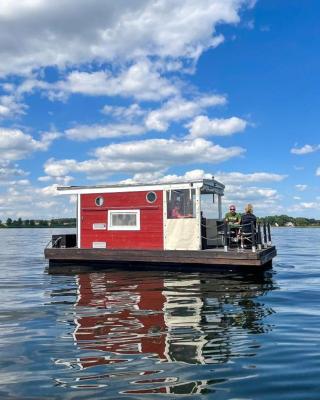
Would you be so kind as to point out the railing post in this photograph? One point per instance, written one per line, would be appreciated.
(269, 234)
(225, 233)
(264, 235)
(253, 237)
(241, 239)
(259, 237)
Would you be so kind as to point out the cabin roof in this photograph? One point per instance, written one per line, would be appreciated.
(207, 186)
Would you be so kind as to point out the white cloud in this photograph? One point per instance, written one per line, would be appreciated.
(301, 188)
(16, 145)
(88, 132)
(241, 178)
(144, 177)
(233, 179)
(64, 180)
(128, 113)
(250, 194)
(94, 168)
(145, 155)
(306, 149)
(46, 203)
(11, 106)
(4, 110)
(178, 109)
(40, 33)
(48, 191)
(310, 205)
(44, 178)
(141, 81)
(169, 150)
(175, 109)
(9, 171)
(29, 85)
(266, 201)
(318, 171)
(203, 126)
(11, 102)
(159, 177)
(227, 178)
(303, 206)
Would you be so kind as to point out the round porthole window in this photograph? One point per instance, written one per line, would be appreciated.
(99, 201)
(151, 197)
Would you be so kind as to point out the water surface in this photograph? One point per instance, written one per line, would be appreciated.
(145, 335)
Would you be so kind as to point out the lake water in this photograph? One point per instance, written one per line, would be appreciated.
(146, 335)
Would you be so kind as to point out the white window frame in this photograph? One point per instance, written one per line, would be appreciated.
(124, 227)
(97, 226)
(99, 245)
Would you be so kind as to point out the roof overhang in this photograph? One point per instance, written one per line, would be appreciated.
(212, 186)
(206, 186)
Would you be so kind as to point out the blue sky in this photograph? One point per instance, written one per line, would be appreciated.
(139, 91)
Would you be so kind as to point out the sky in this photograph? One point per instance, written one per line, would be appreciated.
(102, 91)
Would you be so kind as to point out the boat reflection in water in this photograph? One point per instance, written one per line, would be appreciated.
(150, 332)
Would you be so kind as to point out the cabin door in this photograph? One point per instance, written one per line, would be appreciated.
(181, 218)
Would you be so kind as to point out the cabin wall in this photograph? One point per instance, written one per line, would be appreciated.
(150, 234)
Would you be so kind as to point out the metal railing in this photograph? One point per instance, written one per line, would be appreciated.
(231, 233)
(53, 244)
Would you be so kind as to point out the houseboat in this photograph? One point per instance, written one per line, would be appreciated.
(162, 224)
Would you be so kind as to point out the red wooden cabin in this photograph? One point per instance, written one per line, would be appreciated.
(164, 216)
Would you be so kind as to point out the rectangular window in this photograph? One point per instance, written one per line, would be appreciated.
(98, 226)
(99, 245)
(209, 208)
(124, 220)
(181, 203)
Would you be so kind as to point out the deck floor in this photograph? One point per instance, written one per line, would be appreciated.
(216, 256)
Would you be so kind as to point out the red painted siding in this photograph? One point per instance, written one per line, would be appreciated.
(150, 235)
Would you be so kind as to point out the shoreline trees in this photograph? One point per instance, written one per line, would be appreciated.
(285, 220)
(274, 220)
(39, 223)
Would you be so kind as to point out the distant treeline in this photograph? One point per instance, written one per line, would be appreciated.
(285, 220)
(39, 223)
(274, 220)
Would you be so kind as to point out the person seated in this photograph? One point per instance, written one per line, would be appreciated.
(232, 218)
(246, 228)
(175, 213)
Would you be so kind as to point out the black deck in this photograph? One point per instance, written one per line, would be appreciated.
(65, 258)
